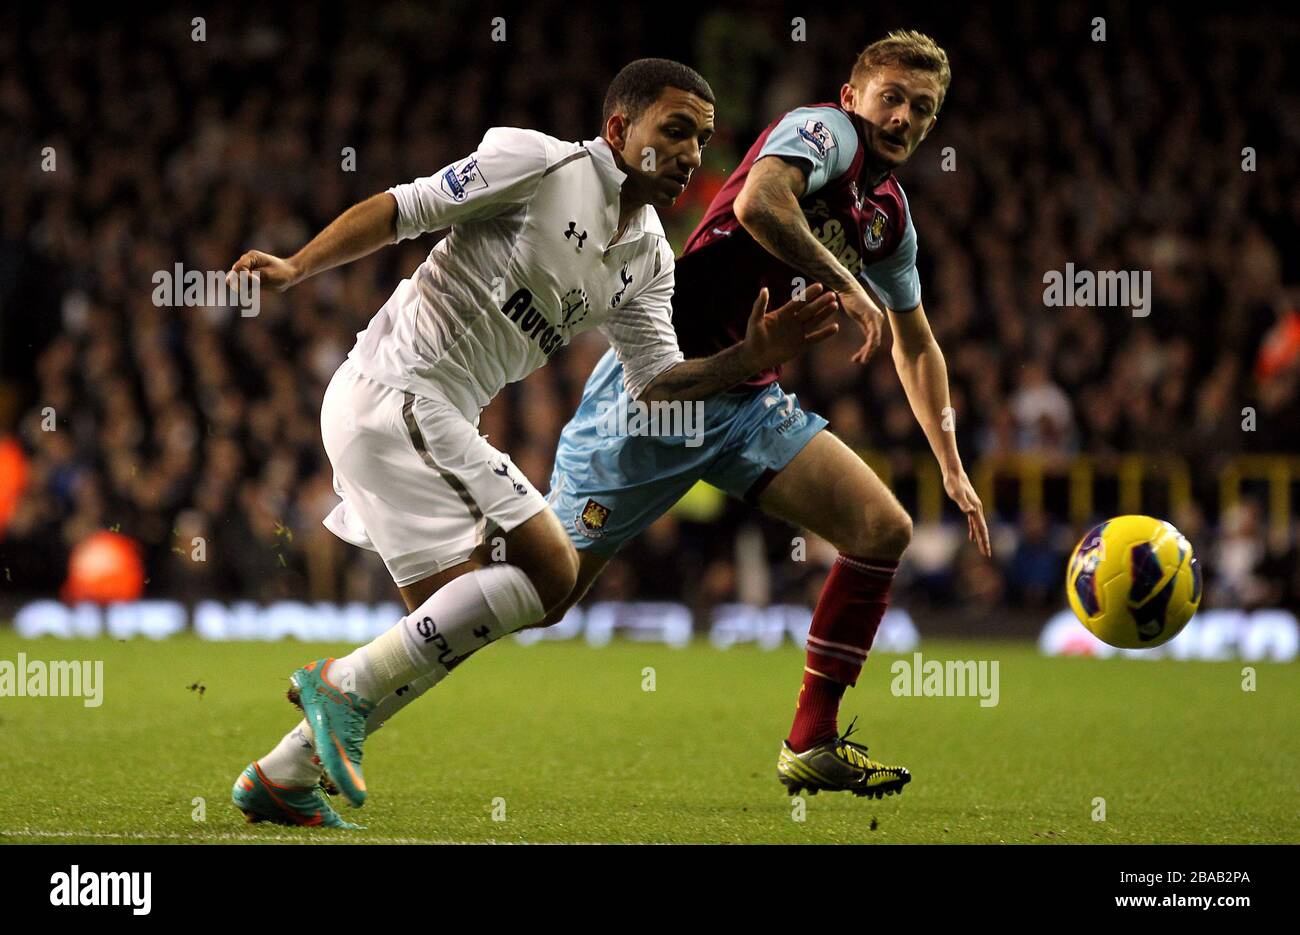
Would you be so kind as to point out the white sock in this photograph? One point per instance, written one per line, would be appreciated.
(463, 616)
(357, 671)
(407, 660)
(395, 701)
(290, 763)
(515, 604)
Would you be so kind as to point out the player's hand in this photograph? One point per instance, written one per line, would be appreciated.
(858, 306)
(772, 338)
(958, 487)
(273, 273)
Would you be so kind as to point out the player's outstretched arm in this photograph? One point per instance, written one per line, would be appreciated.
(771, 338)
(924, 375)
(768, 208)
(357, 232)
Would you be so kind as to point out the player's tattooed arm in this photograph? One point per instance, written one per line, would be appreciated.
(357, 232)
(768, 208)
(700, 377)
(771, 338)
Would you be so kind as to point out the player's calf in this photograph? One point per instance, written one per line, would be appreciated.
(590, 566)
(540, 549)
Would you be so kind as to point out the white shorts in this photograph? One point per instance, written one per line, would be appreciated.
(420, 485)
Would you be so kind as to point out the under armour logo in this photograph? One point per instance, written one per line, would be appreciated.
(627, 281)
(573, 232)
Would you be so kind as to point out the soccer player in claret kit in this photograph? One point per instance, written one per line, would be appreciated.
(814, 199)
(547, 239)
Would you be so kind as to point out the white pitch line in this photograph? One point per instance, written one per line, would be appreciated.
(342, 837)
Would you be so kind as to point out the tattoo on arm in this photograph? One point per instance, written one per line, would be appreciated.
(773, 217)
(701, 376)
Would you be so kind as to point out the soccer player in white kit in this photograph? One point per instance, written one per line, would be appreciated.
(547, 239)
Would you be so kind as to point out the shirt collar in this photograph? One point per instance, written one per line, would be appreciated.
(612, 178)
(610, 174)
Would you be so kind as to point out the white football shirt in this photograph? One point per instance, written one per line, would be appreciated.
(527, 265)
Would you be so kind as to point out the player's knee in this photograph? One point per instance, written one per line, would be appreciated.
(894, 534)
(557, 613)
(882, 534)
(556, 579)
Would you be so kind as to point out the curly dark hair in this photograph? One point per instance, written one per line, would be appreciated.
(639, 84)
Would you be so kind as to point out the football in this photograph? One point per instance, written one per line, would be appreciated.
(1134, 581)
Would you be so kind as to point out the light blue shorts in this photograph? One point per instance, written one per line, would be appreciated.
(612, 478)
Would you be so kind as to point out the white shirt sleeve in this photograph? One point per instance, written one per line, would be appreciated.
(505, 170)
(641, 331)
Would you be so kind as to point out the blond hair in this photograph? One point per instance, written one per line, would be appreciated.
(908, 48)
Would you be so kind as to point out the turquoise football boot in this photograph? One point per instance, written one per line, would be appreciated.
(262, 800)
(338, 725)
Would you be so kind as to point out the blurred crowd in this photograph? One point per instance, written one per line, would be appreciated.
(131, 145)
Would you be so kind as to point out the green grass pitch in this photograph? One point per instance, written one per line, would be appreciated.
(565, 739)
